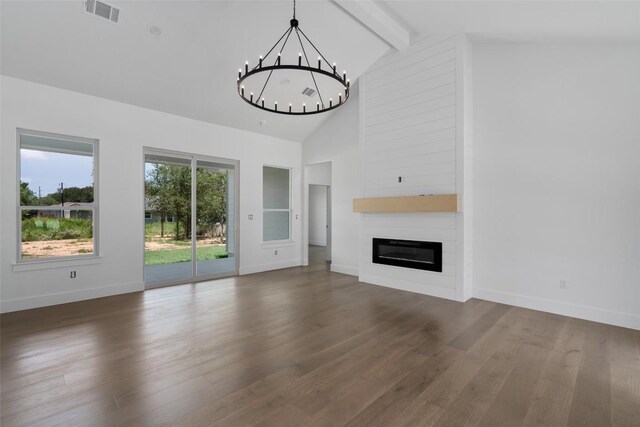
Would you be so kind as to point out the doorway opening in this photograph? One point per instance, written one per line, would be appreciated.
(319, 224)
(317, 236)
(190, 218)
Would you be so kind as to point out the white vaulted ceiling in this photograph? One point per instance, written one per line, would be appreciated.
(521, 20)
(191, 68)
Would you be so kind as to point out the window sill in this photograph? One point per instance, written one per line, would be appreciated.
(55, 263)
(278, 244)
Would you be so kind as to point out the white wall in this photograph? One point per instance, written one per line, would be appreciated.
(123, 131)
(557, 178)
(317, 215)
(336, 141)
(319, 173)
(413, 128)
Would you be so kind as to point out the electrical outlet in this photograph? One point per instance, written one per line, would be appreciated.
(72, 274)
(250, 217)
(563, 284)
(399, 180)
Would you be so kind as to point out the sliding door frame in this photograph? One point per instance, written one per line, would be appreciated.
(194, 158)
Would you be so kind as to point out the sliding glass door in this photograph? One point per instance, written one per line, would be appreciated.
(190, 217)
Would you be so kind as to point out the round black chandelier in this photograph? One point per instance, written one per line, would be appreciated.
(319, 86)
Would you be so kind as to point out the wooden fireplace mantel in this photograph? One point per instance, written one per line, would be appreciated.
(422, 203)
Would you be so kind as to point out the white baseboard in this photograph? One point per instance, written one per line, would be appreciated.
(405, 285)
(317, 243)
(250, 269)
(18, 304)
(626, 320)
(344, 269)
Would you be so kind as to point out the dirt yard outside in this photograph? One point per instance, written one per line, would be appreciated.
(72, 247)
(57, 248)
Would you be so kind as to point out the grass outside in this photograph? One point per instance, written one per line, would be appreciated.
(152, 230)
(168, 250)
(44, 229)
(171, 256)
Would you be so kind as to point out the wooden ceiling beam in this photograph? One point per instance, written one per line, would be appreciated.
(378, 21)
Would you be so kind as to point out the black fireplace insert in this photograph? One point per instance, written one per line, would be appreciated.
(408, 253)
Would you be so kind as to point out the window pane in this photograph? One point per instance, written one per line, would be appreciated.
(275, 184)
(60, 233)
(275, 226)
(55, 172)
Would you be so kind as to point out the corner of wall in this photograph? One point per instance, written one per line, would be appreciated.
(464, 167)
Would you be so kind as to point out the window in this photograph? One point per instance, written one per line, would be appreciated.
(58, 209)
(276, 195)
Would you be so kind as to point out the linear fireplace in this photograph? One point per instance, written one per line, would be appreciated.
(408, 253)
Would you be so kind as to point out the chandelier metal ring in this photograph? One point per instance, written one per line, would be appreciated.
(318, 108)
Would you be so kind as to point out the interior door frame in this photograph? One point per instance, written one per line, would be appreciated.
(194, 158)
(329, 225)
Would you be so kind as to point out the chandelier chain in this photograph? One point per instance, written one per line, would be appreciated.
(294, 9)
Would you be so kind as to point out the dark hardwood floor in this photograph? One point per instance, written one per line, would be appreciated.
(306, 347)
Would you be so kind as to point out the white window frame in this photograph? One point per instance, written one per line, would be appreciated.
(290, 210)
(93, 207)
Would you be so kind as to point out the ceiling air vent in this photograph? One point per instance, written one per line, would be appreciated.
(102, 10)
(309, 92)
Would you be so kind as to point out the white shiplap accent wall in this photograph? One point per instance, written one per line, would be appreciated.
(412, 127)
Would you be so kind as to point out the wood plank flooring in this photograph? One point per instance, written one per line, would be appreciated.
(307, 347)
